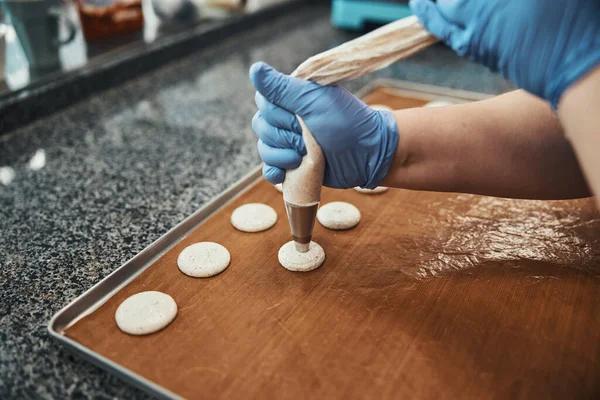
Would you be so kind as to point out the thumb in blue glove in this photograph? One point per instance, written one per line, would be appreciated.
(542, 46)
(358, 142)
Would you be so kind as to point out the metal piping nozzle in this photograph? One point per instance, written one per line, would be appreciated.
(302, 223)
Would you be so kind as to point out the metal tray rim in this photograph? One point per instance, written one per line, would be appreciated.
(120, 372)
(420, 89)
(173, 236)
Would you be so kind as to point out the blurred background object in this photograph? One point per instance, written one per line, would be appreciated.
(15, 65)
(104, 19)
(174, 9)
(216, 9)
(357, 14)
(38, 25)
(46, 38)
(256, 5)
(188, 10)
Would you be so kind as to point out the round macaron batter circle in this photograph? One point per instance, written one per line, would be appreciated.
(292, 260)
(338, 215)
(203, 259)
(145, 313)
(377, 190)
(253, 217)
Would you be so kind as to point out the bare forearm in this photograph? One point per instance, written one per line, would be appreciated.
(508, 146)
(579, 111)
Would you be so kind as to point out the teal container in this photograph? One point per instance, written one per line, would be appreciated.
(355, 14)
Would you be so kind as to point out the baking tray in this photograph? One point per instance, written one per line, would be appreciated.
(98, 294)
(469, 241)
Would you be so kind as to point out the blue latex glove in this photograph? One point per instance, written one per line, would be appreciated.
(543, 46)
(358, 142)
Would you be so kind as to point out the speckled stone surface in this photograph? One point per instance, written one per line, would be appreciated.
(123, 167)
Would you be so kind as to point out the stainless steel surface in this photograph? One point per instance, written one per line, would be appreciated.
(106, 288)
(302, 223)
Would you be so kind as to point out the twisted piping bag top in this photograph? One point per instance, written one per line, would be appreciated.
(368, 53)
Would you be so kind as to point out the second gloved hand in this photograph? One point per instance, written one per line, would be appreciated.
(358, 142)
(542, 46)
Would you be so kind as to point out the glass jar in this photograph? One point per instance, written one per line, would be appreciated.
(103, 19)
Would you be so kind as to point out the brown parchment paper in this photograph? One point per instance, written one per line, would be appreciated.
(431, 296)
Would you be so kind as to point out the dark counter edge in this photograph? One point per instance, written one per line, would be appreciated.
(57, 91)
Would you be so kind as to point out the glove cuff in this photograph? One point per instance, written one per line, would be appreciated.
(387, 148)
(572, 74)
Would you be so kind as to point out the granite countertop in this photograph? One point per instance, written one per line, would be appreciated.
(97, 182)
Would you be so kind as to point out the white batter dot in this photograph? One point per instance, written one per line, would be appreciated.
(377, 190)
(338, 215)
(145, 313)
(253, 217)
(204, 259)
(279, 187)
(293, 260)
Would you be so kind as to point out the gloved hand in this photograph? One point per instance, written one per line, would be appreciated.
(358, 142)
(543, 46)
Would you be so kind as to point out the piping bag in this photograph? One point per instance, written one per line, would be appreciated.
(371, 52)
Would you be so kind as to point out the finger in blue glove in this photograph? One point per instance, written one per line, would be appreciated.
(273, 174)
(358, 142)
